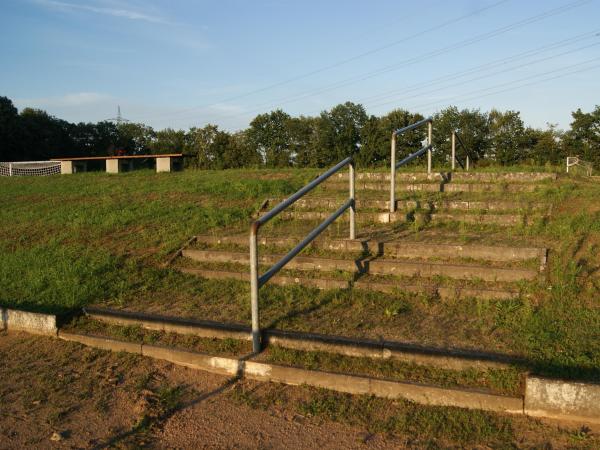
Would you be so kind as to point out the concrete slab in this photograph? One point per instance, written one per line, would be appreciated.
(15, 320)
(164, 165)
(561, 399)
(112, 166)
(66, 167)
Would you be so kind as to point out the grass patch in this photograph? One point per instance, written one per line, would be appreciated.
(135, 333)
(500, 381)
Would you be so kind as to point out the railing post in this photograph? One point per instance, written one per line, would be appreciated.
(254, 288)
(393, 175)
(429, 136)
(10, 169)
(352, 177)
(453, 157)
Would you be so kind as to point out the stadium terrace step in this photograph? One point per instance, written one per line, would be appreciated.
(399, 217)
(486, 177)
(367, 284)
(374, 265)
(436, 187)
(462, 205)
(400, 176)
(513, 177)
(397, 249)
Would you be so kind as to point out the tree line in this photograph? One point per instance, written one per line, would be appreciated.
(276, 139)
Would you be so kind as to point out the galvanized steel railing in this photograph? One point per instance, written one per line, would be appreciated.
(455, 137)
(394, 165)
(256, 281)
(573, 161)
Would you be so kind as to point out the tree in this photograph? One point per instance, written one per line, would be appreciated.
(270, 135)
(44, 136)
(546, 145)
(304, 143)
(9, 131)
(376, 135)
(339, 132)
(583, 139)
(135, 138)
(507, 137)
(472, 127)
(94, 139)
(168, 141)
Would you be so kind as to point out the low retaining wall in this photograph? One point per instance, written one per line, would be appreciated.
(15, 320)
(567, 400)
(352, 384)
(311, 342)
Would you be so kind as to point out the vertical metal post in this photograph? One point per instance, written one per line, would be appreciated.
(467, 163)
(254, 289)
(567, 165)
(10, 169)
(393, 175)
(429, 135)
(453, 157)
(352, 176)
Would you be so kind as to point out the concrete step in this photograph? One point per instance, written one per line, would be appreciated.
(462, 205)
(388, 286)
(518, 177)
(435, 187)
(486, 177)
(374, 266)
(400, 176)
(396, 249)
(401, 217)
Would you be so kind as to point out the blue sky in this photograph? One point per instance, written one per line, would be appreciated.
(187, 63)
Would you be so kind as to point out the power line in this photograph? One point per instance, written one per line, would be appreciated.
(414, 60)
(424, 105)
(487, 66)
(343, 61)
(510, 69)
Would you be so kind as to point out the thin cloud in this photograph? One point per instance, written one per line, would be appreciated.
(108, 11)
(76, 99)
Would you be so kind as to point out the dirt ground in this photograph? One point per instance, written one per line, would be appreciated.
(87, 398)
(57, 394)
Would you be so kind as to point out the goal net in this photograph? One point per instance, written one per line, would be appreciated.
(29, 168)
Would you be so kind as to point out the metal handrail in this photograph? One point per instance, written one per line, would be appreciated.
(576, 161)
(428, 148)
(256, 281)
(453, 158)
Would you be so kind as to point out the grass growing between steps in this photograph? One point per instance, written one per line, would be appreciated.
(498, 381)
(135, 333)
(417, 426)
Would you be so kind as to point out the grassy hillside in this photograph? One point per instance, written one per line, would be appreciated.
(94, 238)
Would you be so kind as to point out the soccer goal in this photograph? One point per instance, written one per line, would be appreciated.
(29, 168)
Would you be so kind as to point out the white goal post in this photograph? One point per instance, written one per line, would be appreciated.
(29, 168)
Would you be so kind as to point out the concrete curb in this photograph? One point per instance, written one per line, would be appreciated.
(352, 384)
(449, 359)
(36, 323)
(560, 399)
